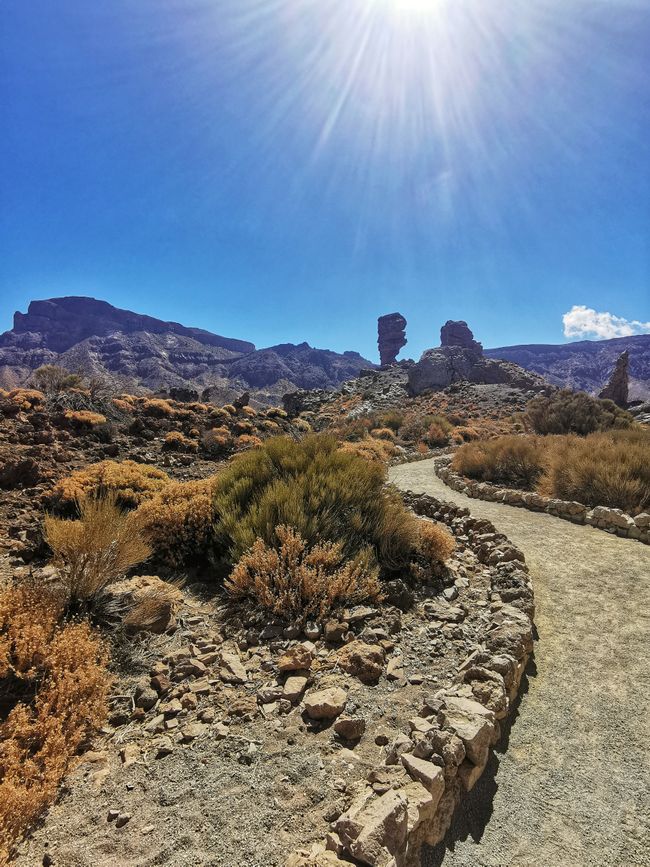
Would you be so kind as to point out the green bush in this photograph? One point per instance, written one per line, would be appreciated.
(323, 493)
(566, 412)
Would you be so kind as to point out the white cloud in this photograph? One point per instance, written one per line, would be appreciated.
(583, 321)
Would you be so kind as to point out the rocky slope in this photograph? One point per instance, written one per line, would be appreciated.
(143, 353)
(585, 365)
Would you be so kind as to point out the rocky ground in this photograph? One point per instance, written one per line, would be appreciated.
(228, 745)
(569, 783)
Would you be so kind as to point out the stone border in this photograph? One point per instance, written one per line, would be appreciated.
(613, 521)
(410, 800)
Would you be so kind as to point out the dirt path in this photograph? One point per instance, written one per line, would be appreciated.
(570, 783)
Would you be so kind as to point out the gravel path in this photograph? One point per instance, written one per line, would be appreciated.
(570, 782)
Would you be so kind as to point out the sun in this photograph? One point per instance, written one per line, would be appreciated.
(410, 6)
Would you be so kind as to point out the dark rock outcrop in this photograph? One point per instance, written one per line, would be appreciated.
(391, 337)
(457, 333)
(618, 384)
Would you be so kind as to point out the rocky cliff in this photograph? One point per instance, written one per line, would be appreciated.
(586, 365)
(140, 352)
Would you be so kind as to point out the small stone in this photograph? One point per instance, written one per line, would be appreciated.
(165, 747)
(129, 754)
(112, 815)
(192, 731)
(145, 697)
(365, 661)
(232, 670)
(122, 820)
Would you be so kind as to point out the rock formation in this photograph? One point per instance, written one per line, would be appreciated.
(391, 337)
(457, 333)
(460, 359)
(618, 384)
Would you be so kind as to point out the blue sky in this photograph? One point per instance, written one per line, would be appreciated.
(287, 170)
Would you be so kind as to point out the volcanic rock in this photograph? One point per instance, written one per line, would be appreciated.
(391, 336)
(457, 333)
(618, 384)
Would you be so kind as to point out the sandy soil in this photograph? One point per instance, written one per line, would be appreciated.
(570, 782)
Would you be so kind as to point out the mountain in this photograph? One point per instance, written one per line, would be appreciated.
(140, 352)
(585, 365)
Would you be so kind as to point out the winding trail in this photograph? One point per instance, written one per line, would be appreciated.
(570, 782)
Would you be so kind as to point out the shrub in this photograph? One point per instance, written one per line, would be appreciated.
(268, 425)
(130, 482)
(249, 411)
(324, 493)
(568, 411)
(300, 424)
(54, 681)
(464, 434)
(177, 522)
(603, 469)
(383, 433)
(50, 378)
(243, 427)
(433, 430)
(295, 581)
(219, 414)
(370, 449)
(217, 441)
(158, 408)
(246, 441)
(230, 409)
(435, 542)
(123, 406)
(276, 412)
(95, 550)
(178, 442)
(84, 418)
(26, 397)
(516, 461)
(392, 419)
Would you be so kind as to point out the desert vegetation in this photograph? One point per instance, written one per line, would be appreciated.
(54, 686)
(574, 412)
(610, 468)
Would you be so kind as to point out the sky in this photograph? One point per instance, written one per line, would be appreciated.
(288, 170)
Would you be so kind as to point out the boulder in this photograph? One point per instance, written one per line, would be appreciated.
(458, 333)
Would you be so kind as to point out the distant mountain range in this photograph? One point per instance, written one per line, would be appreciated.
(140, 353)
(585, 365)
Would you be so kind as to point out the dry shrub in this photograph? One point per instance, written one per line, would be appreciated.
(300, 424)
(178, 521)
(158, 408)
(131, 483)
(566, 412)
(370, 449)
(603, 469)
(60, 671)
(84, 418)
(297, 582)
(217, 441)
(177, 442)
(246, 441)
(230, 409)
(464, 435)
(122, 406)
(145, 603)
(268, 425)
(276, 412)
(382, 433)
(26, 397)
(433, 430)
(250, 411)
(243, 427)
(435, 542)
(516, 461)
(219, 414)
(95, 550)
(422, 449)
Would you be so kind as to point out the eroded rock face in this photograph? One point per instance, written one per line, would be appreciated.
(458, 333)
(617, 387)
(391, 338)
